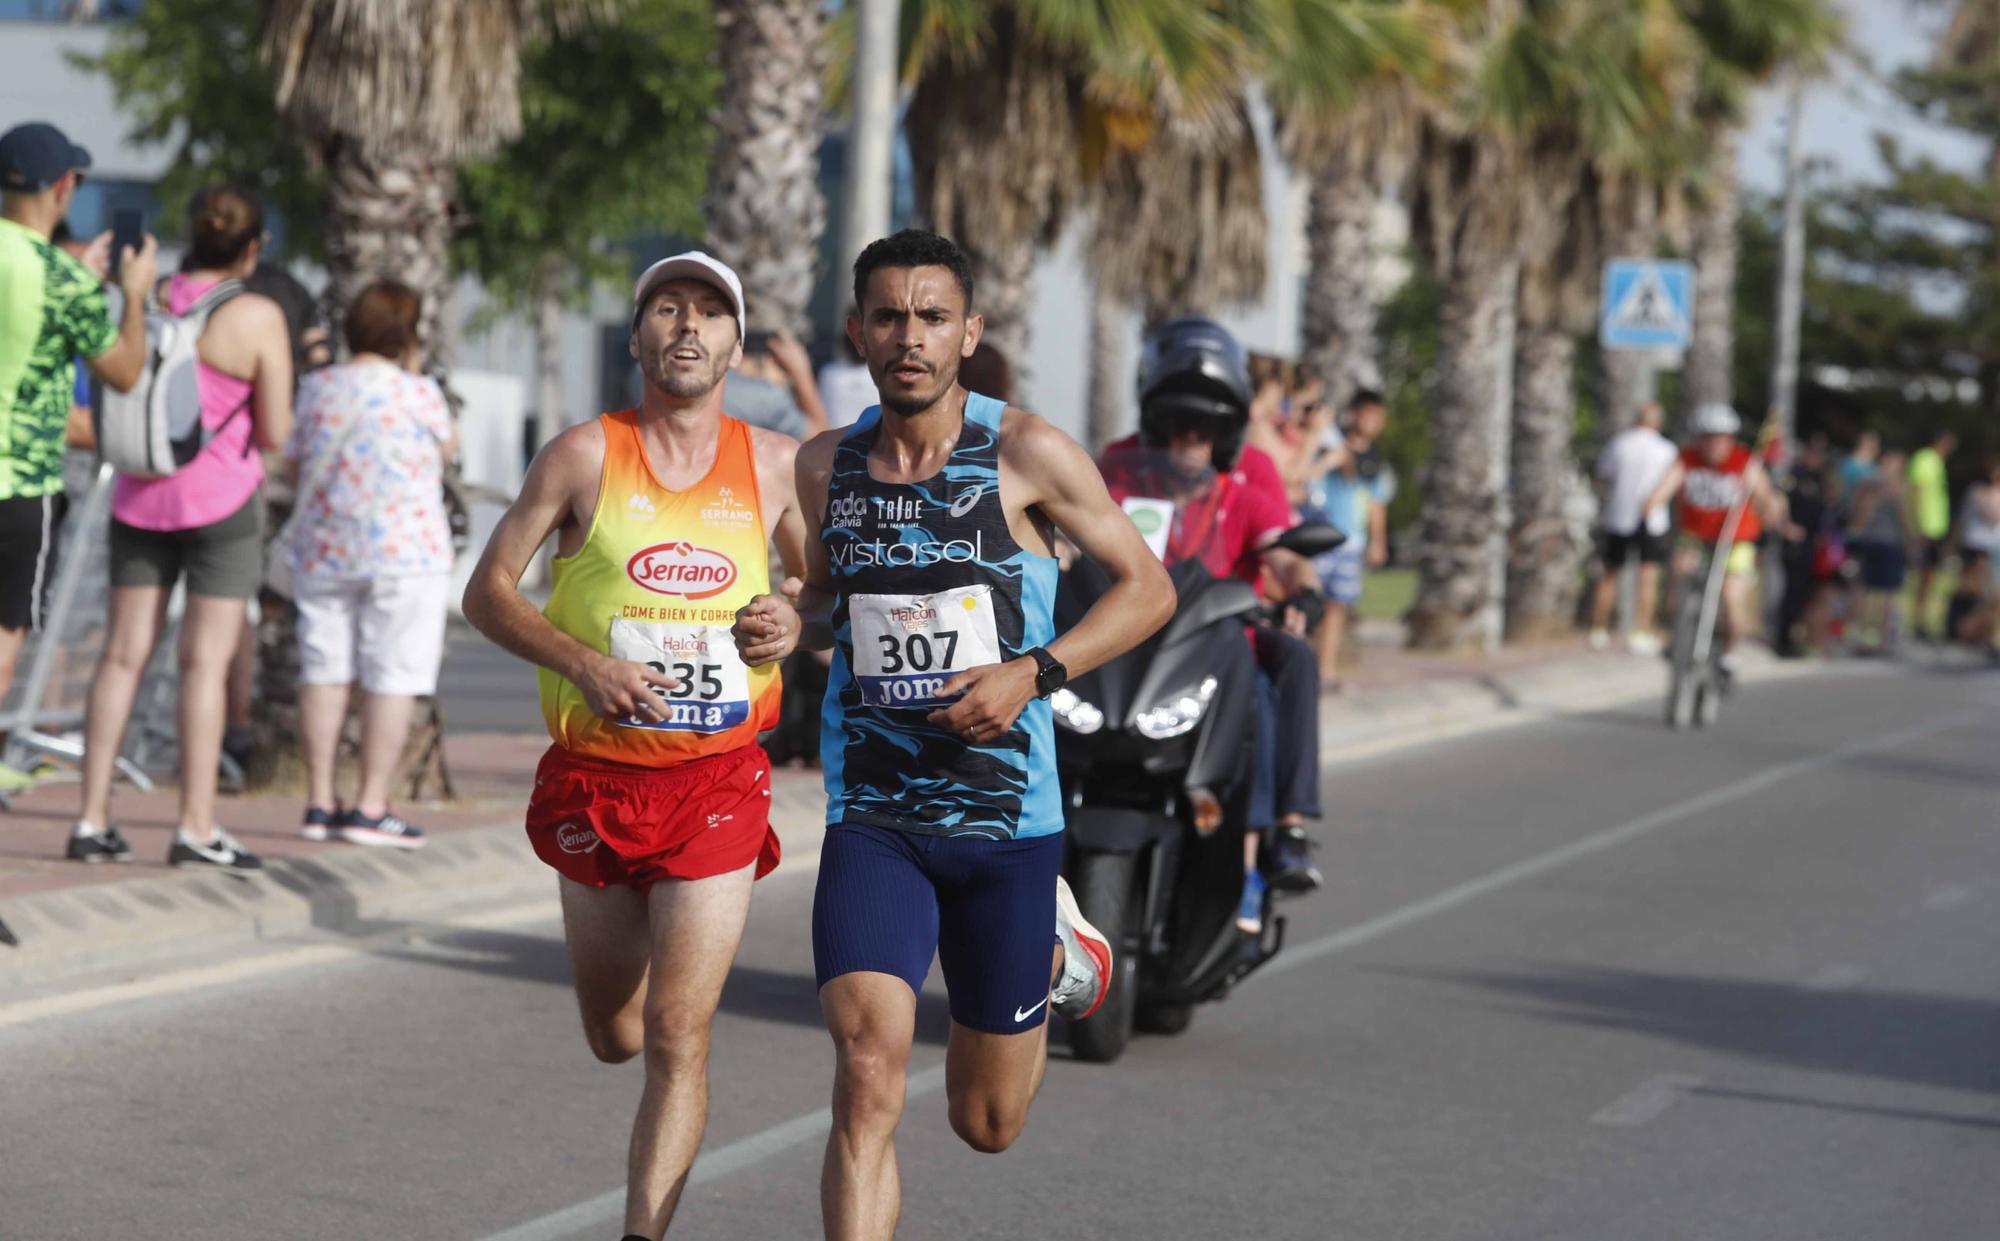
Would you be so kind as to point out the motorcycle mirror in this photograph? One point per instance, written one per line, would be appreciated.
(1311, 539)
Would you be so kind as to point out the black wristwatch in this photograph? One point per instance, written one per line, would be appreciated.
(1050, 674)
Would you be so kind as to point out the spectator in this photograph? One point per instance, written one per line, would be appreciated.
(1856, 468)
(1630, 467)
(1930, 510)
(1806, 569)
(52, 311)
(1880, 534)
(1975, 605)
(987, 372)
(371, 559)
(303, 320)
(846, 387)
(1352, 494)
(773, 387)
(205, 522)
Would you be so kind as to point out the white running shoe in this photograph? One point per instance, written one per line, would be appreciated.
(1599, 639)
(1086, 972)
(1644, 642)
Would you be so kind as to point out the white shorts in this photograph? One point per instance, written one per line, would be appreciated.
(390, 629)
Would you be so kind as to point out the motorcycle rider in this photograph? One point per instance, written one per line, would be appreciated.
(1194, 408)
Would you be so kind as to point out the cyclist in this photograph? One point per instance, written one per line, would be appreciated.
(1715, 473)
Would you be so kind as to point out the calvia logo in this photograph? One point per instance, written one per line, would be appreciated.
(682, 569)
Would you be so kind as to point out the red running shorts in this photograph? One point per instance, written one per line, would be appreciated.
(603, 823)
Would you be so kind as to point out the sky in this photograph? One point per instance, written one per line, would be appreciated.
(1845, 111)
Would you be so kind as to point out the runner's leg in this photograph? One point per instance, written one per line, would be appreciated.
(696, 926)
(873, 1020)
(991, 1079)
(609, 945)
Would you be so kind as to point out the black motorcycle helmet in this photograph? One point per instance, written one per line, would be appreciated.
(1193, 369)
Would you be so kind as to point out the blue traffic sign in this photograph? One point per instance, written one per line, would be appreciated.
(1648, 304)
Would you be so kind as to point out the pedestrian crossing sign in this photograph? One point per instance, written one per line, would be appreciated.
(1648, 304)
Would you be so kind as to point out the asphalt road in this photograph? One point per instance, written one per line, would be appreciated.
(1574, 980)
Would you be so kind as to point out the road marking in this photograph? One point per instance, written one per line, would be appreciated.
(257, 967)
(1950, 896)
(1644, 1102)
(724, 1161)
(1836, 978)
(1611, 837)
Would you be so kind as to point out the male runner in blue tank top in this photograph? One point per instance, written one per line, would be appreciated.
(930, 572)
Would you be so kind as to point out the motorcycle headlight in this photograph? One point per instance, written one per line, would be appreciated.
(1177, 714)
(1074, 713)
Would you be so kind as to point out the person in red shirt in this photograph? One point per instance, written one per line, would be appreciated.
(1178, 481)
(1714, 473)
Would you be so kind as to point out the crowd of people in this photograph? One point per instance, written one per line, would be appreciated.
(1844, 533)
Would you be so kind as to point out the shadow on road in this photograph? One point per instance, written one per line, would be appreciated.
(1929, 1040)
(752, 993)
(1924, 1115)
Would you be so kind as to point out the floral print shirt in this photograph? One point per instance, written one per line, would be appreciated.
(377, 511)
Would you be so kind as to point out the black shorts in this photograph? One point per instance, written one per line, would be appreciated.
(1616, 549)
(1933, 554)
(30, 529)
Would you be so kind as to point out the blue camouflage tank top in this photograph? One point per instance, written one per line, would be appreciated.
(930, 582)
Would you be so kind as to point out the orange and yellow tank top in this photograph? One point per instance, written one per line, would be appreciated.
(658, 580)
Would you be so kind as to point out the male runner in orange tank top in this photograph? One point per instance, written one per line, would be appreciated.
(653, 803)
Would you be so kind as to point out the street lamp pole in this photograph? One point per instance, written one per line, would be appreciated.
(872, 137)
(1791, 271)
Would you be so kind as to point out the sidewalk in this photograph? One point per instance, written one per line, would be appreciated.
(59, 918)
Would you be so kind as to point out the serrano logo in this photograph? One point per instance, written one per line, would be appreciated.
(682, 569)
(574, 839)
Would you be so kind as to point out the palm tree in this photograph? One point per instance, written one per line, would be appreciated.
(385, 93)
(1744, 44)
(765, 209)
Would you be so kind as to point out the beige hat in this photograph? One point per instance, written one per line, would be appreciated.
(694, 265)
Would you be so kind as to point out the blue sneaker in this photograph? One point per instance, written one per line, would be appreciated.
(1250, 910)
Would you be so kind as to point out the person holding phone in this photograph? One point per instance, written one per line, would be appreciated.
(52, 311)
(774, 388)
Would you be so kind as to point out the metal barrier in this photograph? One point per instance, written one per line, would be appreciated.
(42, 716)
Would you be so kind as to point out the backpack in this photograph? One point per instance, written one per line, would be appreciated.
(156, 428)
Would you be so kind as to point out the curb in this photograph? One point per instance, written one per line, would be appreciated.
(46, 937)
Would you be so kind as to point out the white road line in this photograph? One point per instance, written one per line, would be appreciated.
(1950, 896)
(1596, 842)
(1645, 1102)
(713, 1165)
(1838, 977)
(224, 972)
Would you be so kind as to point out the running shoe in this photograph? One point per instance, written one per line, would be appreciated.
(1600, 639)
(221, 852)
(1290, 863)
(1086, 971)
(1644, 642)
(318, 823)
(1250, 910)
(88, 844)
(384, 830)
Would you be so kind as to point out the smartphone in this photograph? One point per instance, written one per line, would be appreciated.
(755, 343)
(128, 228)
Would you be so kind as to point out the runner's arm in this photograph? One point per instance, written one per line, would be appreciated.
(767, 628)
(493, 604)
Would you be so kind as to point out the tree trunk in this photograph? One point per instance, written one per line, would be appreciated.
(1542, 564)
(1110, 374)
(1627, 378)
(1003, 281)
(1707, 376)
(765, 209)
(390, 219)
(1464, 484)
(549, 283)
(1340, 339)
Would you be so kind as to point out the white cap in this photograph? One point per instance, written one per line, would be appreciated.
(1716, 418)
(694, 265)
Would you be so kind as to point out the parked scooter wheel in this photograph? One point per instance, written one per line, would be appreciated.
(1103, 883)
(1164, 1018)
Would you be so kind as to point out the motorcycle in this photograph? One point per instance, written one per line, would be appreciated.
(1154, 750)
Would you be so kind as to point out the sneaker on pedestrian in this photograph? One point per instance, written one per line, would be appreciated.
(91, 844)
(1289, 863)
(1644, 642)
(318, 823)
(14, 780)
(220, 852)
(1600, 639)
(1250, 909)
(385, 830)
(1086, 970)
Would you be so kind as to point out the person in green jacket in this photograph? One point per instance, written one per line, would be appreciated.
(1930, 507)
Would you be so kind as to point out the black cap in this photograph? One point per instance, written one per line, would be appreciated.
(36, 155)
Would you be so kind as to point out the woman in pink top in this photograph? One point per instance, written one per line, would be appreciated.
(205, 521)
